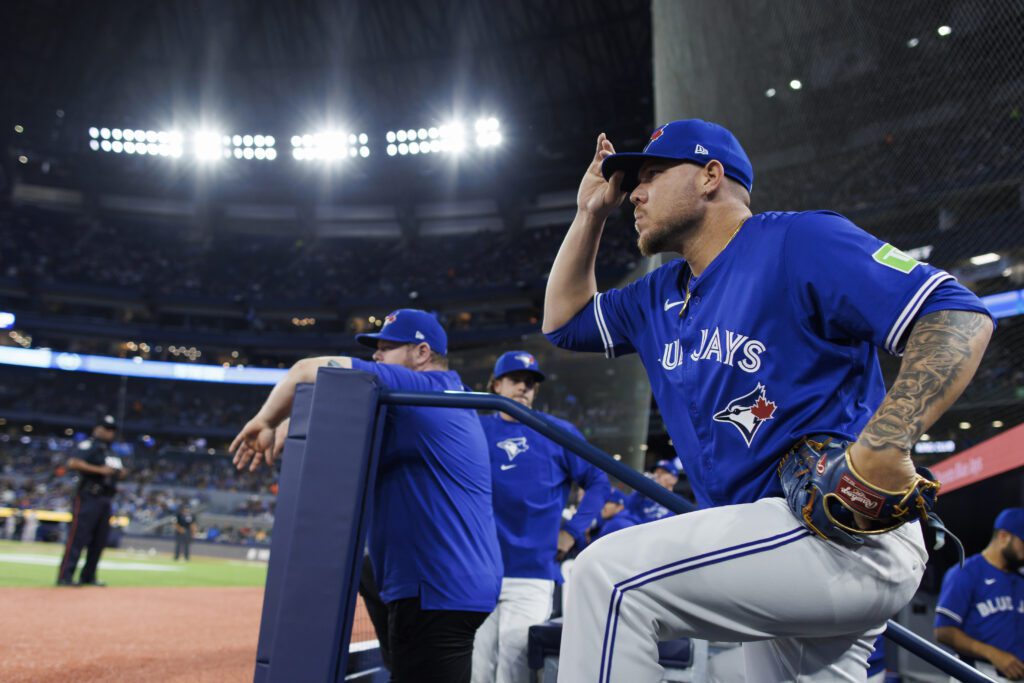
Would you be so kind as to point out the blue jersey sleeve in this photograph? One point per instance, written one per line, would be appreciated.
(609, 323)
(399, 377)
(954, 599)
(851, 285)
(595, 484)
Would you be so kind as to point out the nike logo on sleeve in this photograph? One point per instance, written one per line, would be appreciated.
(989, 582)
(507, 467)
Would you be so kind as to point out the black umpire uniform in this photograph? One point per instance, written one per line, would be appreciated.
(97, 485)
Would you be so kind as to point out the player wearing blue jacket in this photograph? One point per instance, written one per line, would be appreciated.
(532, 477)
(765, 332)
(432, 541)
(980, 612)
(614, 516)
(666, 474)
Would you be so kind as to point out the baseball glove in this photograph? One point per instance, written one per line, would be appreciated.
(824, 491)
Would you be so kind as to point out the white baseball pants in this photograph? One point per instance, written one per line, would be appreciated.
(499, 648)
(806, 609)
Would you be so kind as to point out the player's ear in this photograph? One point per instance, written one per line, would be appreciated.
(712, 176)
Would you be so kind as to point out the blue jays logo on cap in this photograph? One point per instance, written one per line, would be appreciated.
(409, 326)
(687, 140)
(516, 361)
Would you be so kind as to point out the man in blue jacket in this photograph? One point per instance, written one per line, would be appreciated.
(666, 474)
(432, 542)
(532, 478)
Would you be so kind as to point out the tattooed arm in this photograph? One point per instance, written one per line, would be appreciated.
(942, 354)
(255, 443)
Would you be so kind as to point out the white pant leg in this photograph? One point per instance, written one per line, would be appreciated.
(500, 644)
(525, 602)
(736, 573)
(485, 648)
(802, 660)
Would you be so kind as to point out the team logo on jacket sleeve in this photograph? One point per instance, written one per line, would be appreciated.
(748, 412)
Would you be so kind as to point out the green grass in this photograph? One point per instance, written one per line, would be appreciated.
(35, 564)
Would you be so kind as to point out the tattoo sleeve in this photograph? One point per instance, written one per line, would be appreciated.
(942, 353)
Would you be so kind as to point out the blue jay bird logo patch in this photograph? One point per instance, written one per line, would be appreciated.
(748, 412)
(514, 446)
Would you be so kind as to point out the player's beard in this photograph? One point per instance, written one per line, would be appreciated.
(1012, 559)
(667, 236)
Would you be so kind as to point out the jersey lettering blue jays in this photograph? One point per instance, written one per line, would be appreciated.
(433, 533)
(985, 603)
(532, 476)
(778, 341)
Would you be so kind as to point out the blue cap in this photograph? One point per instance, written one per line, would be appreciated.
(409, 326)
(1012, 520)
(668, 466)
(687, 140)
(616, 496)
(516, 361)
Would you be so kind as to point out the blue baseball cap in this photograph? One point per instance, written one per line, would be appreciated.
(1012, 520)
(409, 326)
(516, 361)
(666, 465)
(687, 140)
(616, 496)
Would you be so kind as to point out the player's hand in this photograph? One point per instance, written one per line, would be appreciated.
(596, 195)
(280, 436)
(1007, 664)
(107, 470)
(565, 544)
(254, 445)
(892, 470)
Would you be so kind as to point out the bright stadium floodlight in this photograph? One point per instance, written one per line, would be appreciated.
(795, 84)
(943, 31)
(487, 133)
(94, 132)
(207, 145)
(330, 145)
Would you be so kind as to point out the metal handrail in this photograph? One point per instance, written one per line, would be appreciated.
(898, 634)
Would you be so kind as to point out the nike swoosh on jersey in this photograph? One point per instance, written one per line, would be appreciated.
(506, 467)
(669, 305)
(989, 582)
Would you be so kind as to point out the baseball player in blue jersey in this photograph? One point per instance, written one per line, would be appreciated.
(980, 613)
(760, 344)
(614, 516)
(532, 476)
(432, 541)
(666, 474)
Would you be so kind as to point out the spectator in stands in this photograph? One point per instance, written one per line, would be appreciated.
(980, 612)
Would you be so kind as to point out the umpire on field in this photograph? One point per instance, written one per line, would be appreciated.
(99, 471)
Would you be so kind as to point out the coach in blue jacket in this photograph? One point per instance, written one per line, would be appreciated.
(532, 476)
(432, 542)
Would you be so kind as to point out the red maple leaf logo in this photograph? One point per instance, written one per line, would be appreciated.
(763, 410)
(657, 134)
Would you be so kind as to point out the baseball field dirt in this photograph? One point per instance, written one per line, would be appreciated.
(123, 634)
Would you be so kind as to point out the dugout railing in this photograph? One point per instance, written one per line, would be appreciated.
(328, 467)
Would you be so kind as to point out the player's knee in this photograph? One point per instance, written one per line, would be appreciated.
(591, 568)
